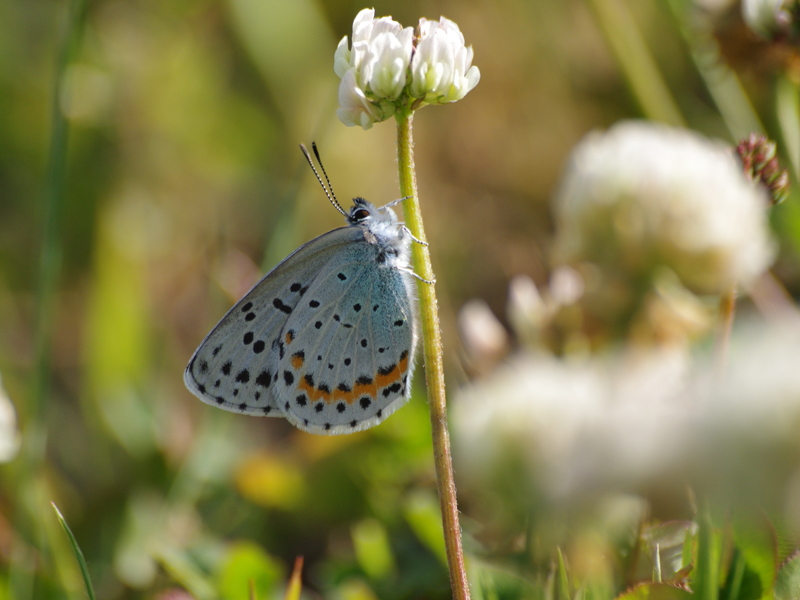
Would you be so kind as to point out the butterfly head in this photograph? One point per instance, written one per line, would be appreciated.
(366, 214)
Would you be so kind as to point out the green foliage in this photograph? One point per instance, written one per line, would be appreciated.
(136, 204)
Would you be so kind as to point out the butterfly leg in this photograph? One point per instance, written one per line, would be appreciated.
(422, 279)
(411, 235)
(393, 202)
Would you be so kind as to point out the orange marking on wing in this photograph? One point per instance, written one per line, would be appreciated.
(370, 389)
(313, 392)
(289, 336)
(396, 374)
(297, 361)
(343, 395)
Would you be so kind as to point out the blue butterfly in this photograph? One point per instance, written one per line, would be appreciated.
(327, 339)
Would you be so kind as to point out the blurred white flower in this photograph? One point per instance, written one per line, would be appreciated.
(527, 310)
(566, 285)
(9, 436)
(441, 70)
(645, 420)
(484, 338)
(767, 17)
(644, 195)
(375, 71)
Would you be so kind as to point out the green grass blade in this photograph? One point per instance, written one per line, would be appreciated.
(78, 553)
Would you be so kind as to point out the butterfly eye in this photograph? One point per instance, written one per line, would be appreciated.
(361, 214)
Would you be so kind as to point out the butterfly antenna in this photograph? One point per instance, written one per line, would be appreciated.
(329, 194)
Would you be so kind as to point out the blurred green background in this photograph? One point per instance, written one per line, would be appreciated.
(178, 124)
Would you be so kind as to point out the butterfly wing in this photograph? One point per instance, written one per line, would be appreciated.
(348, 346)
(235, 366)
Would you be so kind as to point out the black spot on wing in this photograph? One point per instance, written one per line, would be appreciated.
(386, 370)
(392, 389)
(278, 303)
(264, 379)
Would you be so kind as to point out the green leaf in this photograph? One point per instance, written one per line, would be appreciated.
(563, 580)
(78, 553)
(706, 573)
(372, 548)
(295, 585)
(742, 583)
(759, 547)
(246, 562)
(787, 583)
(655, 591)
(421, 511)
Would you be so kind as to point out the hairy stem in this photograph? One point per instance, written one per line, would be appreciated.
(434, 368)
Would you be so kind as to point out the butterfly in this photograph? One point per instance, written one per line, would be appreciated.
(327, 339)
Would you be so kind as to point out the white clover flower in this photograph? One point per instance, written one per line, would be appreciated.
(643, 196)
(441, 69)
(373, 70)
(379, 77)
(766, 17)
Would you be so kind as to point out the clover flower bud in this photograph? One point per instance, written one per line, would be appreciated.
(761, 165)
(772, 18)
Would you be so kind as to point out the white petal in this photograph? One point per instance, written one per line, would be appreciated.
(355, 107)
(362, 25)
(473, 77)
(341, 58)
(387, 66)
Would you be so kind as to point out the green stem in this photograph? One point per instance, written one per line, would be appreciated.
(32, 484)
(635, 61)
(721, 81)
(50, 261)
(434, 368)
(727, 310)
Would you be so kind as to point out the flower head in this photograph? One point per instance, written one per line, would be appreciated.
(441, 70)
(379, 76)
(642, 197)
